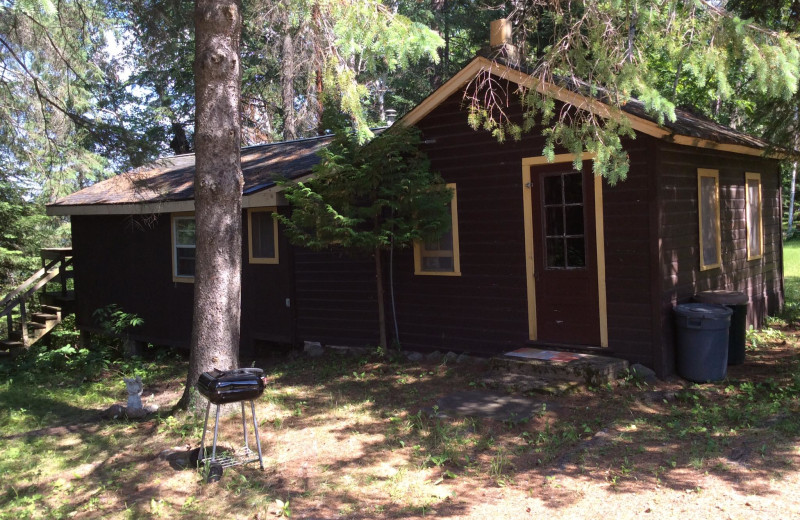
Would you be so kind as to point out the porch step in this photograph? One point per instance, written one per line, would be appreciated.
(561, 368)
(9, 344)
(10, 348)
(52, 310)
(42, 317)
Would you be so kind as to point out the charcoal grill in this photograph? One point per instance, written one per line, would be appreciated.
(230, 386)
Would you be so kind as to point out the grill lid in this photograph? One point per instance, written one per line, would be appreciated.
(228, 386)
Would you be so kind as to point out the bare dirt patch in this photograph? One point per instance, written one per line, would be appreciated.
(354, 438)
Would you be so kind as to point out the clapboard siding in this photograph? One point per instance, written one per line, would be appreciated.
(335, 298)
(485, 309)
(628, 229)
(126, 261)
(760, 279)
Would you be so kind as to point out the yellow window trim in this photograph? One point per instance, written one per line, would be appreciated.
(252, 259)
(419, 246)
(175, 277)
(528, 163)
(751, 176)
(701, 174)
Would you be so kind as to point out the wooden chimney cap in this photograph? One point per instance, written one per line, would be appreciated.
(499, 32)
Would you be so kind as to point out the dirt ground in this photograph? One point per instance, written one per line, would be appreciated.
(349, 438)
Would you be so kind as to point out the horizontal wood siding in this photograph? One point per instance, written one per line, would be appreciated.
(485, 309)
(126, 260)
(627, 216)
(761, 279)
(336, 300)
(267, 316)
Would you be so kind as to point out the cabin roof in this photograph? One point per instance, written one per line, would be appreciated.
(167, 184)
(687, 129)
(171, 179)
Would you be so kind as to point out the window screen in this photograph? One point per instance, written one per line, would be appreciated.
(184, 247)
(754, 224)
(262, 235)
(708, 206)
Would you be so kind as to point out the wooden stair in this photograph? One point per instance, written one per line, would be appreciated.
(23, 327)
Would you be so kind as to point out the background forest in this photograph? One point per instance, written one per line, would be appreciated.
(90, 88)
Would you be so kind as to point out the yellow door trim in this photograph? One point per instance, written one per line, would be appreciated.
(528, 163)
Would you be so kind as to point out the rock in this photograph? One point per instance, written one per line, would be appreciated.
(645, 374)
(659, 396)
(313, 348)
(450, 357)
(434, 357)
(463, 358)
(414, 356)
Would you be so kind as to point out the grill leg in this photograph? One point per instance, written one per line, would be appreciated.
(244, 428)
(202, 453)
(255, 429)
(216, 432)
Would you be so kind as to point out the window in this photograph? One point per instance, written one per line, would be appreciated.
(755, 229)
(262, 236)
(440, 257)
(183, 248)
(708, 209)
(565, 240)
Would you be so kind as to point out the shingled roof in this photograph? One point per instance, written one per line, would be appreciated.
(171, 179)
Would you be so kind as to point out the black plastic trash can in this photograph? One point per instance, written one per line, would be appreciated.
(736, 301)
(702, 347)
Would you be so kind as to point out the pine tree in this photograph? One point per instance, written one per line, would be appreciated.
(369, 198)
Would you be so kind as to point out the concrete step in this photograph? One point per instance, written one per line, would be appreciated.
(559, 366)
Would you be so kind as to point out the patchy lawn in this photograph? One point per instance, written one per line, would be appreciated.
(347, 437)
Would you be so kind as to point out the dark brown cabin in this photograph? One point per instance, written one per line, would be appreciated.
(539, 254)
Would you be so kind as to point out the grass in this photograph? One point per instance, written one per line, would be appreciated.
(355, 437)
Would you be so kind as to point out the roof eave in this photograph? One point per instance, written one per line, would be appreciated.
(575, 99)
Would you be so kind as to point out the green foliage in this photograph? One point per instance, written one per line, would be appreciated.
(366, 198)
(663, 53)
(113, 320)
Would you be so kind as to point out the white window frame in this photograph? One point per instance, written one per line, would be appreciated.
(174, 219)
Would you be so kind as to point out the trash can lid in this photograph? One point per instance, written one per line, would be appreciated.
(722, 297)
(703, 311)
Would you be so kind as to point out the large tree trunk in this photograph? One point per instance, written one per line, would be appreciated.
(218, 192)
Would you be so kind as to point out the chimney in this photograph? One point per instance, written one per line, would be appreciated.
(391, 115)
(499, 32)
(500, 40)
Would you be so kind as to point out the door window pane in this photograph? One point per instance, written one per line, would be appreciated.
(564, 220)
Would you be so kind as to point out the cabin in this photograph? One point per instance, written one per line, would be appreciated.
(540, 253)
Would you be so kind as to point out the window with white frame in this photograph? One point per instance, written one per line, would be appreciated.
(183, 248)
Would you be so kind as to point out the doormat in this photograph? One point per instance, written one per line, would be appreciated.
(544, 355)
